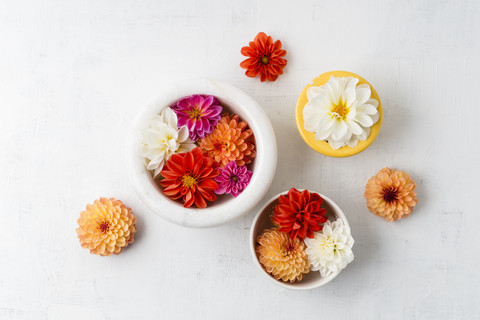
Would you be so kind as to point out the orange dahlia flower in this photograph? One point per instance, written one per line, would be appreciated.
(285, 259)
(229, 141)
(190, 176)
(391, 194)
(264, 58)
(106, 227)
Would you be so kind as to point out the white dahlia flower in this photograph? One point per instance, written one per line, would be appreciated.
(340, 111)
(162, 139)
(330, 250)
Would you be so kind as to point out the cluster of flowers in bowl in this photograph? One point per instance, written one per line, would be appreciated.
(298, 232)
(198, 151)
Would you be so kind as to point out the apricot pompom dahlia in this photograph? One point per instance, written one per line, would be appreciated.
(391, 194)
(284, 258)
(106, 227)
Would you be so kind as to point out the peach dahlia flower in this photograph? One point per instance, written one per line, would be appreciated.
(391, 194)
(285, 259)
(106, 227)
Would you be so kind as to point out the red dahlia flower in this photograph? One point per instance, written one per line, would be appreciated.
(299, 214)
(265, 58)
(190, 176)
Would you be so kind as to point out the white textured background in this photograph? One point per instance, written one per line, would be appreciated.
(73, 74)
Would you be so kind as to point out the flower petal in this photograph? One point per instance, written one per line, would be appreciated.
(367, 109)
(322, 135)
(339, 130)
(169, 117)
(353, 141)
(349, 96)
(363, 93)
(183, 134)
(336, 144)
(315, 91)
(332, 87)
(354, 127)
(364, 135)
(364, 120)
(373, 102)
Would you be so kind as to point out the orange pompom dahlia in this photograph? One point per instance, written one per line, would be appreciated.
(285, 259)
(106, 226)
(264, 58)
(391, 194)
(230, 141)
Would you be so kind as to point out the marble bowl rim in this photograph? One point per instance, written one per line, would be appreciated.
(264, 166)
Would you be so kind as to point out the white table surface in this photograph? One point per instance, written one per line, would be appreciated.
(74, 73)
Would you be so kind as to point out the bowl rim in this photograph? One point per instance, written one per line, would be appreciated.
(322, 146)
(264, 167)
(252, 240)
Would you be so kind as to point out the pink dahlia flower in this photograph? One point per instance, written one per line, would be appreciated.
(200, 113)
(233, 179)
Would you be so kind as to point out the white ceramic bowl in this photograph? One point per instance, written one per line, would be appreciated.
(263, 221)
(227, 208)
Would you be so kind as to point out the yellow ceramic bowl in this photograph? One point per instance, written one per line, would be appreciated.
(323, 146)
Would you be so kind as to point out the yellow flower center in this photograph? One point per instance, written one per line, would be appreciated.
(264, 60)
(195, 113)
(339, 110)
(189, 181)
(327, 244)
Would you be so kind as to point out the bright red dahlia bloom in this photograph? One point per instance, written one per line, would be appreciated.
(265, 58)
(299, 214)
(190, 176)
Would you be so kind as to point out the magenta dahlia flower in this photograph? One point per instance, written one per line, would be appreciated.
(200, 113)
(233, 179)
